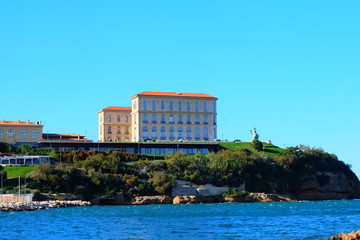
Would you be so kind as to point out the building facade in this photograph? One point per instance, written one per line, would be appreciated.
(169, 116)
(115, 124)
(20, 131)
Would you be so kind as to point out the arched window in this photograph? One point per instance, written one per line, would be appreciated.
(197, 133)
(180, 119)
(188, 133)
(180, 133)
(205, 119)
(118, 139)
(145, 133)
(171, 132)
(171, 118)
(206, 134)
(162, 133)
(153, 132)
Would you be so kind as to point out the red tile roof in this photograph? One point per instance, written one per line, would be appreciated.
(21, 123)
(118, 108)
(175, 94)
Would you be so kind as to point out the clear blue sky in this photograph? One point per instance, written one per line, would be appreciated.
(289, 68)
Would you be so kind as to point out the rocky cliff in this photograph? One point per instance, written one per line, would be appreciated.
(327, 186)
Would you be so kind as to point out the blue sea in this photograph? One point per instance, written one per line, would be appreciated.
(290, 220)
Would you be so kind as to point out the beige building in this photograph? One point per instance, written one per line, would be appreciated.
(20, 131)
(115, 124)
(169, 116)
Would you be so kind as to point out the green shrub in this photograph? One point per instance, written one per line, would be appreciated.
(257, 145)
(235, 193)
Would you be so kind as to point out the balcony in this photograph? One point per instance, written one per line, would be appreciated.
(162, 122)
(197, 123)
(171, 122)
(145, 121)
(153, 121)
(206, 123)
(188, 122)
(180, 122)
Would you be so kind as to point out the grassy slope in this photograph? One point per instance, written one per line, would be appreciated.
(14, 172)
(270, 150)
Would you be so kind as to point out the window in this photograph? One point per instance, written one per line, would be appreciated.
(188, 133)
(196, 106)
(180, 133)
(171, 132)
(24, 133)
(35, 134)
(109, 118)
(162, 118)
(153, 132)
(205, 120)
(109, 129)
(162, 105)
(118, 139)
(12, 133)
(214, 120)
(127, 130)
(153, 118)
(171, 118)
(145, 105)
(127, 118)
(153, 105)
(205, 106)
(188, 106)
(145, 118)
(180, 119)
(205, 134)
(197, 133)
(179, 106)
(134, 105)
(118, 118)
(162, 133)
(197, 119)
(118, 131)
(145, 133)
(171, 106)
(188, 119)
(1, 133)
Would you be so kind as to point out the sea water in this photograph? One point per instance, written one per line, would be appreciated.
(289, 220)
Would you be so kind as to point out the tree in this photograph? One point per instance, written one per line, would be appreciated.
(162, 182)
(27, 149)
(5, 147)
(257, 145)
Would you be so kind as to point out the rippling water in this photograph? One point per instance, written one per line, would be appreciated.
(297, 220)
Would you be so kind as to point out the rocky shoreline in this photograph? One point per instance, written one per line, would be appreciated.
(40, 205)
(141, 200)
(354, 235)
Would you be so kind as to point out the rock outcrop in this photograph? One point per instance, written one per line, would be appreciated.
(145, 200)
(355, 235)
(197, 199)
(31, 206)
(337, 186)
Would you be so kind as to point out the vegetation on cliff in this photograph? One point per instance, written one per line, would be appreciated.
(267, 169)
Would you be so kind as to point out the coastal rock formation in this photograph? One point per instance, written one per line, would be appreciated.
(355, 235)
(261, 197)
(116, 199)
(145, 200)
(335, 186)
(185, 188)
(197, 199)
(31, 206)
